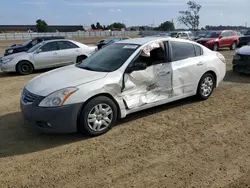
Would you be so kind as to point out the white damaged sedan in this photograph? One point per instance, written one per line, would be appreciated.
(47, 54)
(123, 78)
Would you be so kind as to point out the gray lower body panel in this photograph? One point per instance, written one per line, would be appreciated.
(52, 120)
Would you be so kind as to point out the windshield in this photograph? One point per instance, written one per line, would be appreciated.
(34, 48)
(247, 33)
(27, 42)
(212, 35)
(109, 59)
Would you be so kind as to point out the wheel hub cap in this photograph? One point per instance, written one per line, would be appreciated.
(100, 117)
(207, 86)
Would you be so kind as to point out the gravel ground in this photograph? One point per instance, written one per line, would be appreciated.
(183, 144)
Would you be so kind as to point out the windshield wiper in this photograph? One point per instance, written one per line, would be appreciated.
(87, 68)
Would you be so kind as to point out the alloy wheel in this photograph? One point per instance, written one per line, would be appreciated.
(100, 117)
(207, 86)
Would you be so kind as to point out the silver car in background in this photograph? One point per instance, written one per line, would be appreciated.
(47, 54)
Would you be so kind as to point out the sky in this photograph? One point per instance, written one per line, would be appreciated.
(130, 12)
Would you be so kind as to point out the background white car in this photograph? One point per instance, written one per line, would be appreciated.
(47, 54)
(120, 79)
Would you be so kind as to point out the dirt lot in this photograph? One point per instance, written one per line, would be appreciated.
(182, 144)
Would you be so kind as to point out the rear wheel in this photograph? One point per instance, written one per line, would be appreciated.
(233, 46)
(98, 116)
(206, 86)
(24, 68)
(216, 47)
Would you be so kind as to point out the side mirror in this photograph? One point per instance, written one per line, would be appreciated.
(39, 50)
(220, 37)
(137, 67)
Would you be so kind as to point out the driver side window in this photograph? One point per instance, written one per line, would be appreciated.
(52, 46)
(157, 56)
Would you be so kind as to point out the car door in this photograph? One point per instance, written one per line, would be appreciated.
(224, 40)
(188, 66)
(68, 52)
(231, 38)
(152, 84)
(47, 55)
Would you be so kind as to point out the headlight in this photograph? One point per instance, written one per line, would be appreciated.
(5, 60)
(237, 57)
(58, 98)
(10, 51)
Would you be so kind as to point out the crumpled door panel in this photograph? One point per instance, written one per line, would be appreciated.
(147, 86)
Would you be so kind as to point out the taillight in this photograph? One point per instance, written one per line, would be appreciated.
(221, 57)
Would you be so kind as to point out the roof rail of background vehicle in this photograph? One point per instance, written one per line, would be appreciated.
(143, 40)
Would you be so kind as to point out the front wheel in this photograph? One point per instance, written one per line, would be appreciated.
(25, 68)
(233, 46)
(206, 86)
(98, 116)
(216, 47)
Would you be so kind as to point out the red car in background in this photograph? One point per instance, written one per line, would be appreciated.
(220, 39)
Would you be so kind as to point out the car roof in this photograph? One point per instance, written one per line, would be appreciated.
(49, 37)
(55, 40)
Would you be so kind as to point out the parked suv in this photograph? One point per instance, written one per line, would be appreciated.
(16, 48)
(220, 39)
(244, 40)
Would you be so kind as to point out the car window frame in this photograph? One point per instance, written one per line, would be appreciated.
(171, 55)
(167, 59)
(202, 52)
(49, 43)
(58, 43)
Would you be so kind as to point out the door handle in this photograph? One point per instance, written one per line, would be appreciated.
(162, 73)
(55, 53)
(200, 63)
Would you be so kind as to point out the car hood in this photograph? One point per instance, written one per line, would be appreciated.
(244, 50)
(245, 36)
(17, 55)
(60, 78)
(18, 46)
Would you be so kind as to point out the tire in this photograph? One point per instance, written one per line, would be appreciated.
(90, 115)
(24, 68)
(80, 58)
(216, 47)
(205, 91)
(233, 46)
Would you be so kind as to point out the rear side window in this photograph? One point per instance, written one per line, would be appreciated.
(198, 50)
(182, 50)
(63, 45)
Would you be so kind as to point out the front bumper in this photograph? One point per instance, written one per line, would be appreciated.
(52, 120)
(206, 44)
(241, 66)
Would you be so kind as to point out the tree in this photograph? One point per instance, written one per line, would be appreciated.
(41, 26)
(98, 26)
(166, 26)
(93, 26)
(117, 25)
(191, 18)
